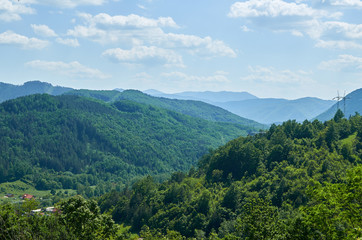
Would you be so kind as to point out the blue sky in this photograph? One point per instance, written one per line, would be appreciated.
(270, 48)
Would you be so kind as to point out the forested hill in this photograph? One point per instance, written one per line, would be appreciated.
(189, 107)
(9, 91)
(52, 140)
(296, 181)
(350, 105)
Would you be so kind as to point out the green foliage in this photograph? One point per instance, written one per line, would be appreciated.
(70, 142)
(296, 181)
(77, 219)
(191, 108)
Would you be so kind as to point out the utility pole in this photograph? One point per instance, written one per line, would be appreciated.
(337, 98)
(344, 103)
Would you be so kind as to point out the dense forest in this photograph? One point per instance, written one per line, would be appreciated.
(296, 181)
(72, 142)
(191, 108)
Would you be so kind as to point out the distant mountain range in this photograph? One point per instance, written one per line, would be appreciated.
(350, 105)
(272, 110)
(208, 97)
(10, 91)
(188, 107)
(263, 110)
(250, 110)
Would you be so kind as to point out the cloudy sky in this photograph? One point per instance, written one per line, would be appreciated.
(270, 48)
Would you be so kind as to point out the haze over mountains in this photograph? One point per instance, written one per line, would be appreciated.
(10, 91)
(350, 105)
(208, 96)
(215, 106)
(263, 110)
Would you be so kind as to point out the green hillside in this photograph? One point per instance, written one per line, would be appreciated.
(296, 181)
(351, 105)
(189, 107)
(64, 141)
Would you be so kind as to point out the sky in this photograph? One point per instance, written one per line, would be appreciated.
(269, 48)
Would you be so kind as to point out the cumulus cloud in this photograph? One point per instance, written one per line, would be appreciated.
(68, 41)
(70, 3)
(12, 38)
(12, 10)
(43, 30)
(134, 30)
(272, 8)
(272, 75)
(202, 46)
(347, 3)
(343, 63)
(320, 22)
(72, 69)
(353, 31)
(132, 20)
(144, 54)
(338, 44)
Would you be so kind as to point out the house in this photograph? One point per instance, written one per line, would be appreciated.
(9, 195)
(35, 211)
(27, 196)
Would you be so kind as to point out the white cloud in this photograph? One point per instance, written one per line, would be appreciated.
(202, 46)
(347, 3)
(339, 44)
(12, 10)
(343, 63)
(141, 6)
(72, 69)
(272, 8)
(301, 19)
(353, 31)
(271, 75)
(68, 41)
(43, 30)
(245, 28)
(70, 3)
(12, 38)
(216, 78)
(133, 30)
(143, 54)
(132, 20)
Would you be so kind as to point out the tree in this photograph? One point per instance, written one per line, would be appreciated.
(84, 220)
(335, 209)
(338, 116)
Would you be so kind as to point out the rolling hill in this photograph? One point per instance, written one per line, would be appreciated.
(59, 141)
(189, 107)
(351, 106)
(10, 91)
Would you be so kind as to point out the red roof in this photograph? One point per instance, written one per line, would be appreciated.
(28, 196)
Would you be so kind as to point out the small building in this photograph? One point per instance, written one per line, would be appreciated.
(36, 211)
(9, 195)
(27, 196)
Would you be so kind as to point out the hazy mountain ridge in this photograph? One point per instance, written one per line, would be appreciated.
(350, 106)
(272, 110)
(10, 91)
(189, 107)
(207, 96)
(263, 110)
